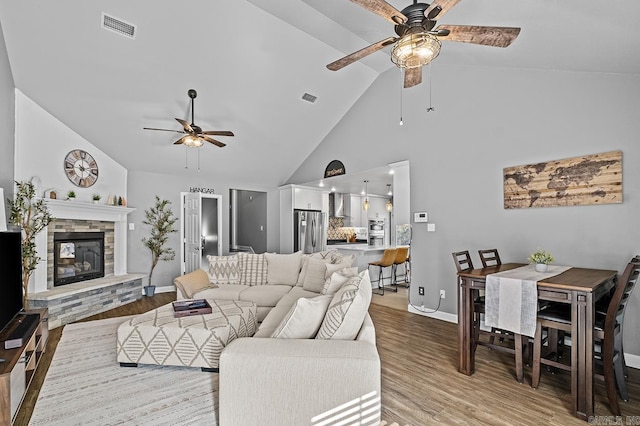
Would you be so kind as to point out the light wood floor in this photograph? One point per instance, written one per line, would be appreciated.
(420, 382)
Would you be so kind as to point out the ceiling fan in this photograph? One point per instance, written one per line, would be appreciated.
(194, 136)
(418, 41)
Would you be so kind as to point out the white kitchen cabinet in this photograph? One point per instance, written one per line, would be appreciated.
(307, 199)
(355, 211)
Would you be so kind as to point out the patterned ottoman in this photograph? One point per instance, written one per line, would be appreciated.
(156, 337)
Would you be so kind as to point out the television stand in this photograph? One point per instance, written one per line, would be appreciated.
(20, 362)
(23, 331)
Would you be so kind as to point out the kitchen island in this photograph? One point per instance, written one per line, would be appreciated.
(364, 254)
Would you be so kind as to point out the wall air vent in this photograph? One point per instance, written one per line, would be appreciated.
(309, 98)
(118, 26)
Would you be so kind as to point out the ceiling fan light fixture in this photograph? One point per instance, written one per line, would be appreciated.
(415, 50)
(193, 141)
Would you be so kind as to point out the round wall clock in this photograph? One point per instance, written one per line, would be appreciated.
(81, 168)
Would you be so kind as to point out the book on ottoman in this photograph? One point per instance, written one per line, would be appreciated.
(184, 308)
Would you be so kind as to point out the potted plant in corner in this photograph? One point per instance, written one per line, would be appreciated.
(542, 259)
(161, 219)
(32, 216)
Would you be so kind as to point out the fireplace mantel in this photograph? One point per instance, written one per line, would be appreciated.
(86, 211)
(77, 210)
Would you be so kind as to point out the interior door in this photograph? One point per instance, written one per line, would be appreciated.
(191, 231)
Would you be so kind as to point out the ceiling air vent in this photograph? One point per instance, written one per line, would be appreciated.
(309, 98)
(118, 26)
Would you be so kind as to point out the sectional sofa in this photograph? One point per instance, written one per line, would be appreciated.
(313, 359)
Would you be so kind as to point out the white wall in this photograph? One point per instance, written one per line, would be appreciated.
(485, 120)
(42, 142)
(7, 121)
(143, 187)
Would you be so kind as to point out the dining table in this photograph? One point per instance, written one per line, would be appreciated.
(578, 287)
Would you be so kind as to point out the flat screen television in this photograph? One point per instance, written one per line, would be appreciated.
(11, 277)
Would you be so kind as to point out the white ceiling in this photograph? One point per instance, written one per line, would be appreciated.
(251, 61)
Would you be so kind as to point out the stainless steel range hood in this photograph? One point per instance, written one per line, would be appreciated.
(336, 205)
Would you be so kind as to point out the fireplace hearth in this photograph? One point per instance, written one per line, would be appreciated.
(78, 256)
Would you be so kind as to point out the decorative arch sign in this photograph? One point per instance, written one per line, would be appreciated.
(334, 168)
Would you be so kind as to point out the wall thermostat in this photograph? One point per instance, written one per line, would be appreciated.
(420, 217)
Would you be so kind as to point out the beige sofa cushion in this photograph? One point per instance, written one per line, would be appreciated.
(283, 268)
(303, 319)
(192, 282)
(253, 268)
(224, 269)
(318, 271)
(338, 279)
(264, 295)
(275, 315)
(222, 291)
(328, 256)
(347, 309)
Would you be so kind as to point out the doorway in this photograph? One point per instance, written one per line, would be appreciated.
(201, 230)
(247, 221)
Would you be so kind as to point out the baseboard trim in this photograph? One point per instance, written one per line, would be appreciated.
(444, 316)
(163, 289)
(632, 360)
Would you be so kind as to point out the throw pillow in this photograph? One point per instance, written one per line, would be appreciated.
(327, 256)
(347, 309)
(315, 275)
(191, 283)
(283, 268)
(338, 279)
(224, 269)
(303, 319)
(253, 269)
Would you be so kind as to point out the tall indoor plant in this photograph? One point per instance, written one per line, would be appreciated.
(32, 215)
(161, 219)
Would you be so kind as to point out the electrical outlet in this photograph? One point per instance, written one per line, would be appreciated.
(420, 291)
(442, 294)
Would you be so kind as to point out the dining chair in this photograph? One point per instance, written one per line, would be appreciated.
(489, 257)
(402, 254)
(387, 261)
(607, 334)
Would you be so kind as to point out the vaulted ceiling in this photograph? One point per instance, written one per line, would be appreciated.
(252, 61)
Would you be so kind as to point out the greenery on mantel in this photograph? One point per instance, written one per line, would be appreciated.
(161, 219)
(32, 215)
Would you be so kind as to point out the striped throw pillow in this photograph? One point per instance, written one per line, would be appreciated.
(253, 268)
(347, 309)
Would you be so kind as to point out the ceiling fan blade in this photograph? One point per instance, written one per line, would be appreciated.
(356, 56)
(218, 133)
(488, 36)
(181, 140)
(163, 130)
(213, 141)
(384, 9)
(444, 5)
(186, 125)
(412, 77)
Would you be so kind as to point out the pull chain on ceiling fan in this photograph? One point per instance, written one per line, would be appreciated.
(194, 136)
(418, 41)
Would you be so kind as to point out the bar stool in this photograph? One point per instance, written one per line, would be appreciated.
(387, 261)
(402, 254)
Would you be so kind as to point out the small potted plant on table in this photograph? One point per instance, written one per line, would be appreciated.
(96, 198)
(542, 259)
(71, 195)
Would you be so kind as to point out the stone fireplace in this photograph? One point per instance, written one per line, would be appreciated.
(76, 300)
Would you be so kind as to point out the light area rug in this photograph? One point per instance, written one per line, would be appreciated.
(85, 385)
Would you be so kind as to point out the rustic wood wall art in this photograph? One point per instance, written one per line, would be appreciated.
(578, 181)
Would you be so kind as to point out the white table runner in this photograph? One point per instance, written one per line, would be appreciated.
(511, 298)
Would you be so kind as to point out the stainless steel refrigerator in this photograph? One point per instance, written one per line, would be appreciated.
(309, 231)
